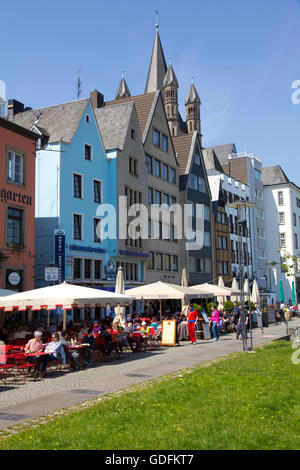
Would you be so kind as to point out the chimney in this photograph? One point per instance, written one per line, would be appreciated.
(14, 107)
(97, 99)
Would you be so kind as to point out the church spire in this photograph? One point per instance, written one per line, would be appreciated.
(158, 67)
(192, 106)
(170, 94)
(123, 90)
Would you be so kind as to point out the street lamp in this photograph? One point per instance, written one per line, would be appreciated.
(239, 206)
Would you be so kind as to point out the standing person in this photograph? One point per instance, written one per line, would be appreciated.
(236, 313)
(215, 321)
(240, 331)
(259, 318)
(192, 317)
(89, 350)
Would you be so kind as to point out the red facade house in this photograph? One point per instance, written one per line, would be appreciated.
(17, 212)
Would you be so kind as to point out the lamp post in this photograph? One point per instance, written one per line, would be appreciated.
(239, 206)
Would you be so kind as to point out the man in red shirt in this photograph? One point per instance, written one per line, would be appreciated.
(192, 317)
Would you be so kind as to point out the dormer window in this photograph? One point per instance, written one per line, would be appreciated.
(87, 118)
(132, 134)
(88, 152)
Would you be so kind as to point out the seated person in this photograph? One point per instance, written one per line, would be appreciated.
(75, 340)
(72, 355)
(106, 349)
(96, 328)
(21, 333)
(89, 350)
(55, 350)
(35, 344)
(3, 336)
(52, 328)
(226, 321)
(144, 328)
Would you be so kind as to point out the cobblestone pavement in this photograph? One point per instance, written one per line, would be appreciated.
(22, 401)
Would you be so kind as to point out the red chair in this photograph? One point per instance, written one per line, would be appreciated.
(20, 342)
(22, 366)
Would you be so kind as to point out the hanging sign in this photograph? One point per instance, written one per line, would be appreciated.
(60, 254)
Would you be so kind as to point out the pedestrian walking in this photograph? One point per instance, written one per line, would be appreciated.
(192, 317)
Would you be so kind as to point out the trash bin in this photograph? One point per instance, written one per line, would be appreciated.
(265, 320)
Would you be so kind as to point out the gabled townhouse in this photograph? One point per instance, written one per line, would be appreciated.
(74, 175)
(17, 205)
(282, 218)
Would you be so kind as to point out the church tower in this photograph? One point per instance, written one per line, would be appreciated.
(157, 68)
(170, 94)
(192, 106)
(123, 90)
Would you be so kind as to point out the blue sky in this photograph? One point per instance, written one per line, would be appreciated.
(243, 56)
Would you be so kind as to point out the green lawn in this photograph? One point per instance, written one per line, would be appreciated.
(251, 401)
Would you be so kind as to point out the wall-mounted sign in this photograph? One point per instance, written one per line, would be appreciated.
(15, 197)
(134, 254)
(14, 278)
(89, 249)
(51, 274)
(60, 254)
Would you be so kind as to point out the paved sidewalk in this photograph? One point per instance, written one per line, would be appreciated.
(21, 402)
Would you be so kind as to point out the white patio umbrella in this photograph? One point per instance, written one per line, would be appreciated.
(234, 288)
(214, 291)
(64, 296)
(119, 320)
(164, 291)
(246, 290)
(220, 299)
(255, 297)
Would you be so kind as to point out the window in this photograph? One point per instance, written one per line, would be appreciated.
(165, 172)
(193, 182)
(280, 198)
(175, 263)
(172, 202)
(97, 191)
(207, 239)
(15, 167)
(281, 218)
(157, 169)
(151, 259)
(97, 230)
(159, 261)
(165, 199)
(257, 175)
(87, 269)
(149, 164)
(132, 134)
(87, 118)
(206, 212)
(97, 269)
(77, 186)
(297, 202)
(164, 142)
(156, 138)
(157, 198)
(132, 166)
(296, 241)
(294, 220)
(172, 176)
(167, 262)
(207, 265)
(150, 196)
(260, 233)
(259, 194)
(77, 227)
(200, 265)
(260, 214)
(77, 268)
(201, 184)
(262, 254)
(14, 226)
(282, 240)
(197, 158)
(88, 152)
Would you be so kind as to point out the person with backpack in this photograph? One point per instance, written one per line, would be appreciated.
(259, 318)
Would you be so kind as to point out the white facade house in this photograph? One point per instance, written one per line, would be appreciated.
(282, 222)
(233, 191)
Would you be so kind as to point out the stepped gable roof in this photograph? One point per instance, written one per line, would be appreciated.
(223, 151)
(143, 105)
(170, 78)
(58, 122)
(182, 145)
(113, 122)
(274, 175)
(211, 161)
(158, 68)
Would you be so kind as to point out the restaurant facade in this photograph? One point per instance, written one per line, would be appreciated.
(17, 207)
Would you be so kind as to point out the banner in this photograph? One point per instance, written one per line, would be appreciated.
(60, 254)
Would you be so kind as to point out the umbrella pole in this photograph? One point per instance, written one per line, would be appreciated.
(48, 319)
(160, 310)
(64, 319)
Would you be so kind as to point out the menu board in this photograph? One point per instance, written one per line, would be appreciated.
(168, 333)
(206, 331)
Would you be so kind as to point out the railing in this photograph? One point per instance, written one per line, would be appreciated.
(244, 154)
